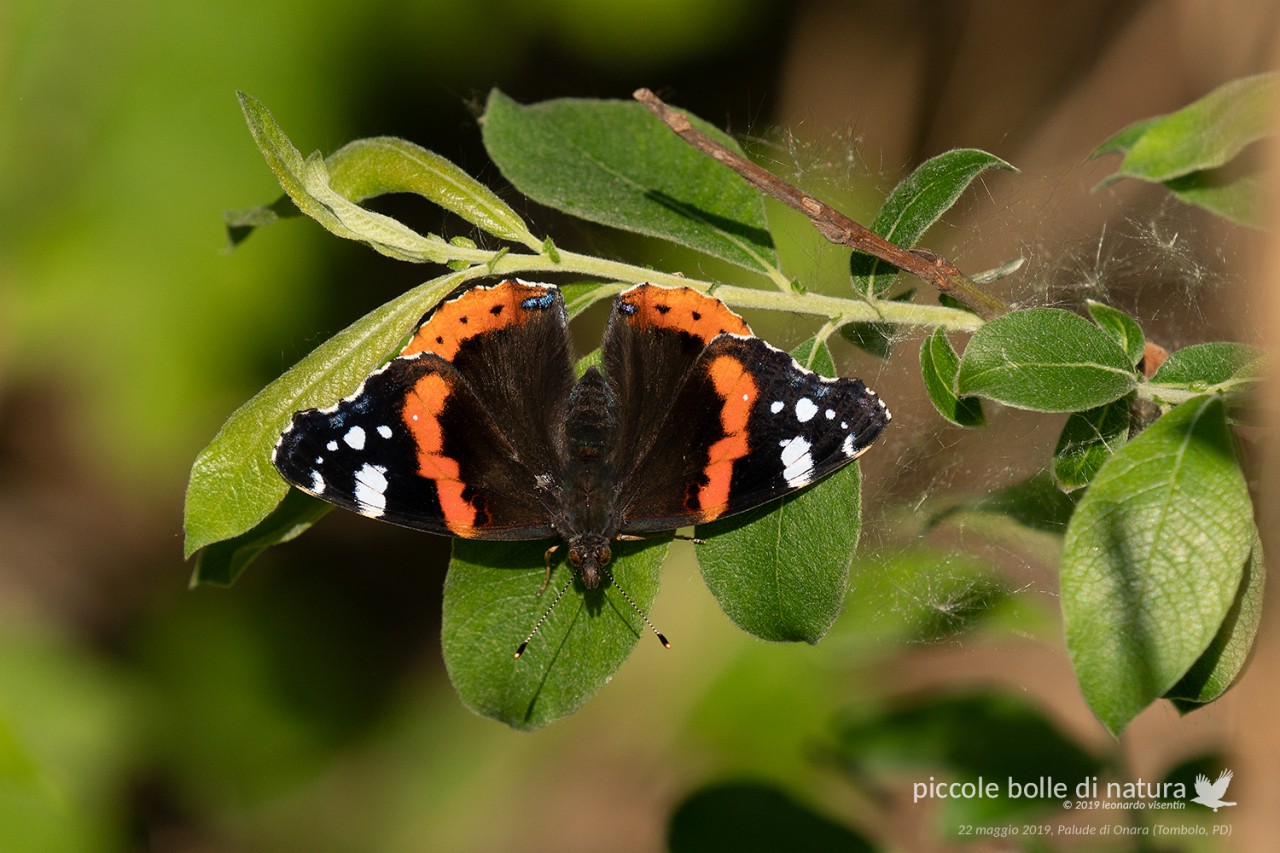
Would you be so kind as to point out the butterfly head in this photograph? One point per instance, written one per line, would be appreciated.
(588, 554)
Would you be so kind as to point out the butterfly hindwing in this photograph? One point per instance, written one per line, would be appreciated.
(774, 427)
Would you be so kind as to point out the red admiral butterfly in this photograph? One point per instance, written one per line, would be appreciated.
(479, 428)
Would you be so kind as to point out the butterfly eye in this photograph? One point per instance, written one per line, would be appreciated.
(575, 558)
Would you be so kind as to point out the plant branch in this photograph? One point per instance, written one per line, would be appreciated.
(836, 309)
(829, 222)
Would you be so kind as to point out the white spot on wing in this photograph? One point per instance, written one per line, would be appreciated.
(371, 490)
(317, 483)
(805, 410)
(847, 447)
(796, 461)
(384, 431)
(355, 438)
(831, 414)
(331, 446)
(776, 407)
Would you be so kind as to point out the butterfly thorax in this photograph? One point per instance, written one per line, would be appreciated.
(586, 517)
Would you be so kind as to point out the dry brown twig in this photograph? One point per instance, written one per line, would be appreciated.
(829, 222)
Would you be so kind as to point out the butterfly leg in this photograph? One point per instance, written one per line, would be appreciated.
(547, 557)
(631, 537)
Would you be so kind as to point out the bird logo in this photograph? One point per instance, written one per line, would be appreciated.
(1211, 794)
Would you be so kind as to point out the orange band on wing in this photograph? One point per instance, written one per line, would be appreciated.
(681, 308)
(422, 417)
(738, 392)
(480, 310)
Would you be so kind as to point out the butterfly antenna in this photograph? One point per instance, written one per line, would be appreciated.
(545, 614)
(636, 608)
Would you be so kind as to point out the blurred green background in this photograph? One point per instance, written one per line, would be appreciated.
(307, 708)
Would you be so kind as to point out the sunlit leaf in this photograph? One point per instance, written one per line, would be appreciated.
(1123, 329)
(914, 205)
(491, 604)
(1205, 134)
(610, 162)
(367, 168)
(1045, 360)
(307, 182)
(1220, 367)
(1153, 559)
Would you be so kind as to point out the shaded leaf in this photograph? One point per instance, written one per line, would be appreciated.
(1036, 503)
(923, 595)
(917, 202)
(221, 563)
(490, 605)
(964, 738)
(1087, 441)
(780, 571)
(1226, 656)
(938, 366)
(1045, 360)
(1153, 558)
(233, 486)
(610, 162)
(754, 817)
(874, 338)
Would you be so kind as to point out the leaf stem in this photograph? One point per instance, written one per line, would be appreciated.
(829, 222)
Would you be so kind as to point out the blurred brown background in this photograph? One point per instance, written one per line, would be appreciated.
(307, 708)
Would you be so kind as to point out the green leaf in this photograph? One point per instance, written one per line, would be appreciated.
(223, 562)
(1123, 140)
(939, 365)
(233, 486)
(610, 162)
(1153, 558)
(368, 168)
(1205, 134)
(1035, 503)
(1044, 360)
(307, 183)
(1237, 198)
(1087, 441)
(1226, 656)
(996, 273)
(738, 817)
(963, 738)
(914, 205)
(780, 571)
(1214, 367)
(1122, 328)
(490, 605)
